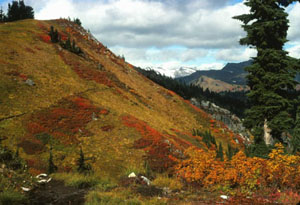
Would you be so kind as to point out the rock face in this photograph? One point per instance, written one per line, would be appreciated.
(230, 120)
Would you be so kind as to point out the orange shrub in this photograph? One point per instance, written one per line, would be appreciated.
(280, 171)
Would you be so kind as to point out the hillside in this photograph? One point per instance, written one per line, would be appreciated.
(52, 97)
(84, 108)
(217, 85)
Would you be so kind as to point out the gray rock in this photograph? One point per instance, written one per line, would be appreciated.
(30, 82)
(223, 115)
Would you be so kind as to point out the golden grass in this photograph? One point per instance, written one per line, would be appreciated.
(111, 152)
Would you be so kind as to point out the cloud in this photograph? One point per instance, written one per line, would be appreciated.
(236, 54)
(294, 51)
(294, 31)
(144, 23)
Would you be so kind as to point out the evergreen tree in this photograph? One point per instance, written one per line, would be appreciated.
(51, 166)
(29, 13)
(17, 10)
(220, 153)
(73, 46)
(271, 76)
(2, 15)
(77, 21)
(82, 166)
(13, 10)
(68, 44)
(54, 35)
(229, 152)
(22, 10)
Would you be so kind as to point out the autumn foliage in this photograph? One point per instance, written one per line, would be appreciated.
(63, 122)
(161, 153)
(280, 171)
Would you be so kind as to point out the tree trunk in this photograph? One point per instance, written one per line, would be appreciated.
(267, 134)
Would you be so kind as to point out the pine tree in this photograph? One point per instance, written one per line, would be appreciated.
(271, 76)
(73, 49)
(12, 13)
(22, 10)
(68, 44)
(82, 166)
(220, 153)
(29, 13)
(51, 166)
(17, 10)
(77, 21)
(2, 15)
(229, 152)
(54, 35)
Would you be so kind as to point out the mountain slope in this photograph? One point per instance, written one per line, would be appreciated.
(217, 85)
(232, 73)
(51, 98)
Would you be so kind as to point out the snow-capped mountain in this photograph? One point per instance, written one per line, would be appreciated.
(176, 72)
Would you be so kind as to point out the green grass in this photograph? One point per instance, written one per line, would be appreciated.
(98, 198)
(79, 180)
(12, 198)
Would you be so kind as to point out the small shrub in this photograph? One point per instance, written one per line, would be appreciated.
(171, 183)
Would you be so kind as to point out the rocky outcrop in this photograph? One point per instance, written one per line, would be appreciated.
(230, 120)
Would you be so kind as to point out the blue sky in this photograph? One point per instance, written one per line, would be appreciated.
(166, 33)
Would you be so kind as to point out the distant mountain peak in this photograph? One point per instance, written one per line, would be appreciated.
(231, 73)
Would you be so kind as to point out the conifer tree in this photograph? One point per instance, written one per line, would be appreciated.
(271, 76)
(220, 152)
(54, 35)
(51, 166)
(73, 46)
(77, 21)
(68, 44)
(17, 10)
(229, 152)
(2, 15)
(82, 166)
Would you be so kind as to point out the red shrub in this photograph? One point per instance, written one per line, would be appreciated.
(42, 26)
(157, 147)
(45, 38)
(104, 112)
(65, 120)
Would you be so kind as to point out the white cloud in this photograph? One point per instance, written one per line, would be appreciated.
(236, 54)
(294, 17)
(132, 23)
(294, 51)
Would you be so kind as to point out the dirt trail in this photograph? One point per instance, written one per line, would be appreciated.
(55, 192)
